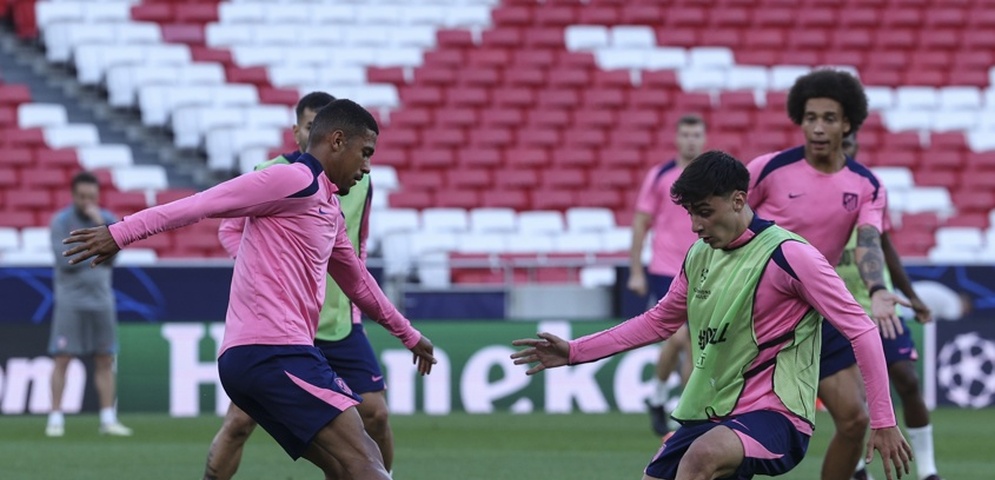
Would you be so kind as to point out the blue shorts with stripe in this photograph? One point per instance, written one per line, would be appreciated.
(837, 353)
(353, 359)
(658, 285)
(776, 446)
(288, 389)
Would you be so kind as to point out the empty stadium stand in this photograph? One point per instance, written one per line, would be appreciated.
(495, 110)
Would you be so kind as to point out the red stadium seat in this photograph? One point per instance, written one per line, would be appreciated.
(526, 157)
(433, 158)
(18, 218)
(549, 199)
(547, 118)
(457, 198)
(515, 199)
(567, 178)
(479, 157)
(411, 199)
(469, 178)
(573, 157)
(517, 179)
(420, 179)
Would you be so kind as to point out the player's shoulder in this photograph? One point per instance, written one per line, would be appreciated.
(280, 160)
(862, 172)
(763, 166)
(61, 215)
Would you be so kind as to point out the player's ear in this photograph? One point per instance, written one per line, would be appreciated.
(336, 140)
(738, 200)
(846, 126)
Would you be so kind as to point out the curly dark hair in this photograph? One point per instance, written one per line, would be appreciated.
(834, 84)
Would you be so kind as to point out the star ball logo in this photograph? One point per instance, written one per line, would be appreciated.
(699, 292)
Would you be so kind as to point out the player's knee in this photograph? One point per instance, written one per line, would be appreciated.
(700, 457)
(854, 425)
(376, 420)
(238, 427)
(905, 381)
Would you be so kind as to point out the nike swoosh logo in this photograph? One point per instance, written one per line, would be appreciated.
(795, 195)
(377, 378)
(321, 211)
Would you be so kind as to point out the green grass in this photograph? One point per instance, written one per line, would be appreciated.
(458, 446)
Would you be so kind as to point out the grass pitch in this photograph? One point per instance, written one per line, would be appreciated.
(458, 446)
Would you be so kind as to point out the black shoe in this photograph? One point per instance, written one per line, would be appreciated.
(861, 474)
(658, 419)
(933, 477)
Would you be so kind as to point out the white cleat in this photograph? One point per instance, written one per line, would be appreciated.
(115, 430)
(55, 430)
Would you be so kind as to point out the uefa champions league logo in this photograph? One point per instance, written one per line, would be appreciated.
(967, 370)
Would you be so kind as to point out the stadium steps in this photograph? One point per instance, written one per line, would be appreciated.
(24, 62)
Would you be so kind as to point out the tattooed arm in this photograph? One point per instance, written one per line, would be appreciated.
(901, 281)
(870, 261)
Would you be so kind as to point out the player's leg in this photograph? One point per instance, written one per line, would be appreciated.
(901, 355)
(102, 326)
(225, 453)
(354, 360)
(843, 395)
(666, 363)
(345, 440)
(63, 345)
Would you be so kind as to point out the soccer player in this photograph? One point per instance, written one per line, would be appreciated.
(670, 242)
(899, 352)
(817, 192)
(340, 335)
(749, 292)
(294, 233)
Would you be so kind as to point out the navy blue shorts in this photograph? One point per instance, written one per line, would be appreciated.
(354, 360)
(900, 348)
(837, 353)
(288, 389)
(658, 285)
(772, 444)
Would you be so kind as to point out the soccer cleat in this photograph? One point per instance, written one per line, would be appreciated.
(115, 430)
(55, 430)
(933, 477)
(862, 475)
(658, 419)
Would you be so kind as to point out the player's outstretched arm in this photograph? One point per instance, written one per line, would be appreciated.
(548, 351)
(895, 451)
(94, 242)
(870, 262)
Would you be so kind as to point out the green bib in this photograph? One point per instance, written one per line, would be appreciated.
(850, 273)
(335, 318)
(722, 285)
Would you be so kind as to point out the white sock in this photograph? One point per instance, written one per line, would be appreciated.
(55, 418)
(660, 393)
(860, 465)
(107, 416)
(922, 447)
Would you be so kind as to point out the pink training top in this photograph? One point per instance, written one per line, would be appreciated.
(672, 235)
(230, 235)
(791, 284)
(824, 208)
(294, 233)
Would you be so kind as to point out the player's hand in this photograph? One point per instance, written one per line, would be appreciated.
(883, 312)
(92, 242)
(923, 314)
(423, 355)
(637, 282)
(894, 450)
(549, 351)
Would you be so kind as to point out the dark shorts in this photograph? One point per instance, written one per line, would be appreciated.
(288, 389)
(82, 332)
(777, 446)
(354, 360)
(900, 348)
(837, 353)
(658, 286)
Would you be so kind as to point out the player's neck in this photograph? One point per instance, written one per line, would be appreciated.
(831, 163)
(683, 162)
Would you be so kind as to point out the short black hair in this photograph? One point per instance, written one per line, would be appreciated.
(313, 101)
(833, 84)
(345, 115)
(712, 173)
(85, 177)
(691, 119)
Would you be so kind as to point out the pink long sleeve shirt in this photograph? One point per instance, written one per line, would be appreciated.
(795, 280)
(294, 233)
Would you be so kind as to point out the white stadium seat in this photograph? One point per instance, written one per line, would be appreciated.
(493, 220)
(31, 115)
(384, 177)
(916, 98)
(74, 135)
(444, 220)
(540, 222)
(104, 156)
(629, 36)
(140, 177)
(38, 239)
(586, 219)
(711, 57)
(586, 37)
(10, 239)
(782, 77)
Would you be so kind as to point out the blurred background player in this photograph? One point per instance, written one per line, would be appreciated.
(340, 334)
(294, 233)
(84, 318)
(900, 352)
(819, 193)
(751, 293)
(671, 240)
